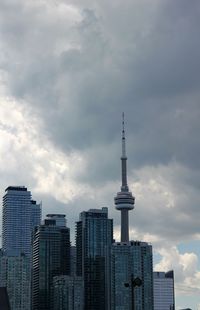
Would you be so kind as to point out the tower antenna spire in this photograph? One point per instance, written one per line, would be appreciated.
(124, 186)
(123, 137)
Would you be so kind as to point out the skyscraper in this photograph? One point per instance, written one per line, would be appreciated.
(51, 257)
(15, 276)
(94, 236)
(163, 283)
(124, 201)
(131, 260)
(20, 215)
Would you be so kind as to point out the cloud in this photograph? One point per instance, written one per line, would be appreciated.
(84, 64)
(42, 167)
(185, 267)
(163, 205)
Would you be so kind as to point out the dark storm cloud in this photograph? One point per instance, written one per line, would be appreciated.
(79, 73)
(151, 72)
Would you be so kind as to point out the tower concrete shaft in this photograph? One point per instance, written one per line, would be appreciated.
(124, 225)
(124, 201)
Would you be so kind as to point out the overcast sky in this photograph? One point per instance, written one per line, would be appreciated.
(67, 71)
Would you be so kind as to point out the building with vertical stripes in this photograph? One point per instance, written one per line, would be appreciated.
(163, 283)
(94, 236)
(51, 257)
(20, 215)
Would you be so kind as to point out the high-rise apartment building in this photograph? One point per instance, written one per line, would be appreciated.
(94, 236)
(15, 276)
(129, 261)
(51, 257)
(20, 215)
(163, 283)
(68, 293)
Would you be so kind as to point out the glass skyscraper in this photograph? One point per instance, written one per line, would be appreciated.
(164, 290)
(94, 236)
(131, 260)
(51, 257)
(20, 215)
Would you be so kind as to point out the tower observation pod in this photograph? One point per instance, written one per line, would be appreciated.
(124, 201)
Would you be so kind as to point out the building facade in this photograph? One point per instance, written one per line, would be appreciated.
(94, 236)
(68, 293)
(163, 283)
(130, 261)
(36, 214)
(73, 261)
(15, 276)
(20, 215)
(51, 257)
(4, 300)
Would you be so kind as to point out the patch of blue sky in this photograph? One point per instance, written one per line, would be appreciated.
(190, 246)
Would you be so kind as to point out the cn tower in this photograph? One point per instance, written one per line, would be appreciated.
(124, 201)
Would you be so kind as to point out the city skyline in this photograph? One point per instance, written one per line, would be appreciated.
(68, 70)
